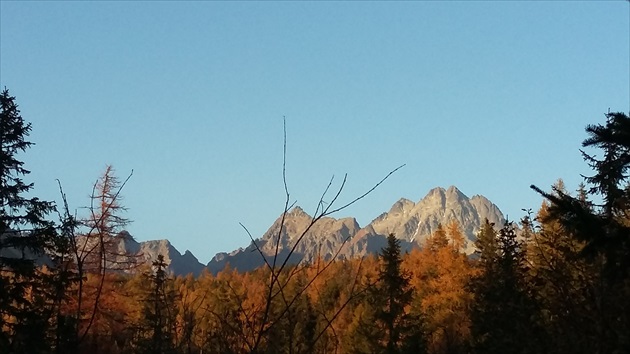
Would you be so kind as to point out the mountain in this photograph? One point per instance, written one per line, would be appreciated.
(414, 222)
(410, 222)
(322, 239)
(179, 264)
(327, 238)
(146, 252)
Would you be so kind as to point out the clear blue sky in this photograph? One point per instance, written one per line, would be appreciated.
(488, 96)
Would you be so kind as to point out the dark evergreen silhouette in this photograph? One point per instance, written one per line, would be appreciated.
(387, 326)
(159, 312)
(503, 313)
(565, 284)
(604, 228)
(25, 235)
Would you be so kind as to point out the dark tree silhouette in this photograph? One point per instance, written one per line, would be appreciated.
(503, 312)
(387, 325)
(604, 228)
(159, 312)
(24, 235)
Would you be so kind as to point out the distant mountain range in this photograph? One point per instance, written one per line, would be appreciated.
(410, 222)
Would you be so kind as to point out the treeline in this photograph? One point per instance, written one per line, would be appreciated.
(555, 282)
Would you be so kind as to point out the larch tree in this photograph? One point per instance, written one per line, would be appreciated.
(105, 224)
(441, 270)
(100, 254)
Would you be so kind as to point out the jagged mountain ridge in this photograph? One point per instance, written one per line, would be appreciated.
(330, 237)
(179, 264)
(126, 254)
(411, 222)
(323, 239)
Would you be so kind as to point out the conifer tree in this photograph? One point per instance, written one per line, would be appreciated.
(604, 229)
(387, 326)
(159, 319)
(438, 239)
(441, 270)
(565, 286)
(98, 257)
(105, 225)
(503, 312)
(294, 331)
(24, 235)
(486, 244)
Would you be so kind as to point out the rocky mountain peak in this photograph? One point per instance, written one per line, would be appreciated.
(438, 192)
(298, 212)
(402, 205)
(453, 192)
(436, 198)
(439, 206)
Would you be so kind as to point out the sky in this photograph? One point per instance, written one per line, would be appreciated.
(191, 96)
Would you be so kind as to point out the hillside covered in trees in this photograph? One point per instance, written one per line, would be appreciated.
(559, 285)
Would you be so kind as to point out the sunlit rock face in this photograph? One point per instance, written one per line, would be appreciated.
(331, 238)
(415, 222)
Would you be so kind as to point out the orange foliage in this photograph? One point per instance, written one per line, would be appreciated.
(440, 272)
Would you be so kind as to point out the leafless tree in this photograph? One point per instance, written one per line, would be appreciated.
(92, 246)
(259, 322)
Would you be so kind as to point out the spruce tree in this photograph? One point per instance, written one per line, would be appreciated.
(159, 311)
(387, 324)
(25, 234)
(503, 312)
(486, 244)
(604, 229)
(565, 286)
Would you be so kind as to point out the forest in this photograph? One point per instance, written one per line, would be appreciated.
(556, 281)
